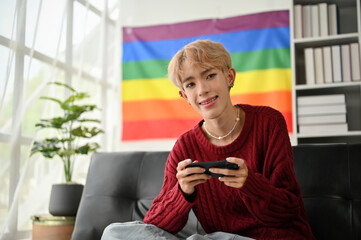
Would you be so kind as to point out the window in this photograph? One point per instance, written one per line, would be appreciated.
(72, 41)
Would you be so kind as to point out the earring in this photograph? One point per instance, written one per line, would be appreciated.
(231, 86)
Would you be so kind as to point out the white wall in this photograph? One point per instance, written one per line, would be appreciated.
(154, 12)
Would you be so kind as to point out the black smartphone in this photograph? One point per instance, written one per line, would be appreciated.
(224, 164)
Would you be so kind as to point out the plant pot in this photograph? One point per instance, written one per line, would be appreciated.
(65, 199)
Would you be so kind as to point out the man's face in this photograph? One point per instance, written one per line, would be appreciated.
(206, 88)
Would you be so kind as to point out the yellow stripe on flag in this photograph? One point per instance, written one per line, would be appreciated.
(263, 81)
(143, 89)
(246, 82)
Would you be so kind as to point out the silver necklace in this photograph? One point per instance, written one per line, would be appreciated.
(221, 137)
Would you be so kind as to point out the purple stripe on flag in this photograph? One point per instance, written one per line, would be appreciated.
(202, 27)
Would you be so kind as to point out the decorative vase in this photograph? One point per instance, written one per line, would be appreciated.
(65, 199)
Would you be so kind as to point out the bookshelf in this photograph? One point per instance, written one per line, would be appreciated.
(337, 77)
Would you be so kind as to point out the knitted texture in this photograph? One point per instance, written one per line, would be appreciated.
(268, 206)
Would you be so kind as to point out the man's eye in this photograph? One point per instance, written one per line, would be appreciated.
(189, 85)
(211, 76)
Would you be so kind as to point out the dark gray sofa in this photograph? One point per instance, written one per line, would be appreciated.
(120, 187)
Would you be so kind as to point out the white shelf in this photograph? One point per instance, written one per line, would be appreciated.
(329, 40)
(327, 85)
(350, 28)
(347, 134)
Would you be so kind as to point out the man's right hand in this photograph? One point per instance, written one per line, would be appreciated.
(189, 178)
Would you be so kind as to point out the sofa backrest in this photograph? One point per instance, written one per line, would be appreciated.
(330, 181)
(121, 186)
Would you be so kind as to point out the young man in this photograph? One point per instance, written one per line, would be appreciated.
(261, 199)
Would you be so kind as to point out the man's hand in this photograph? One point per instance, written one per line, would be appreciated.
(237, 177)
(189, 178)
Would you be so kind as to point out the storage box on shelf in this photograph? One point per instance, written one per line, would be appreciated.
(327, 62)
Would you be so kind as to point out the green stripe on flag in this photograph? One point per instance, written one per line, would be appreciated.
(242, 62)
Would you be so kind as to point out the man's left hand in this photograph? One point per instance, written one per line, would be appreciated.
(234, 178)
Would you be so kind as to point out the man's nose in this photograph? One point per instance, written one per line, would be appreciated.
(203, 88)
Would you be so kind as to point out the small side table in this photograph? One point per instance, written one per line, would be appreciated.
(52, 227)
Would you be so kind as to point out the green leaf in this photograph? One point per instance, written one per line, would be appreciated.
(77, 110)
(56, 122)
(88, 120)
(64, 85)
(65, 153)
(87, 148)
(86, 132)
(49, 147)
(76, 97)
(52, 99)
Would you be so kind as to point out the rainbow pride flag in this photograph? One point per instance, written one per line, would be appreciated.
(259, 45)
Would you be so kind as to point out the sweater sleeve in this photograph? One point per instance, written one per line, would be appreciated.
(170, 209)
(273, 196)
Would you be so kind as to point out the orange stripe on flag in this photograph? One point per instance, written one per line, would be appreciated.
(280, 100)
(158, 109)
(179, 108)
(153, 129)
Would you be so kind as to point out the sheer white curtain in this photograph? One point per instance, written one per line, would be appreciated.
(37, 52)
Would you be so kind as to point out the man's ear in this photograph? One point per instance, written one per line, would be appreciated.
(231, 76)
(183, 95)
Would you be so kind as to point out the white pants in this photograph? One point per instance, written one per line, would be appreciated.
(139, 230)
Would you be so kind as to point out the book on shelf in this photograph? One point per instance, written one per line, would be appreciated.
(315, 20)
(306, 21)
(309, 66)
(355, 62)
(297, 19)
(323, 128)
(327, 64)
(315, 26)
(321, 119)
(321, 109)
(332, 19)
(323, 19)
(346, 62)
(319, 67)
(336, 63)
(321, 99)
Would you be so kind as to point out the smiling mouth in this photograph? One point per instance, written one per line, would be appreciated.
(208, 101)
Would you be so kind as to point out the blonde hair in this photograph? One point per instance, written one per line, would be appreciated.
(202, 52)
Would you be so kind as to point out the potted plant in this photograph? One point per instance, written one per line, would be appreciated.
(66, 144)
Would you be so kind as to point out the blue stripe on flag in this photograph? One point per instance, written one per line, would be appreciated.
(241, 41)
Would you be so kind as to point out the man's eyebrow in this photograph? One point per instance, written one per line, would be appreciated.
(204, 72)
(187, 79)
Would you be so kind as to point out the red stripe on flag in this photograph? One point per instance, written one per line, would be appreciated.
(169, 128)
(280, 100)
(288, 118)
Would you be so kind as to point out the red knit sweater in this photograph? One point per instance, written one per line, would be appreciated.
(268, 206)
